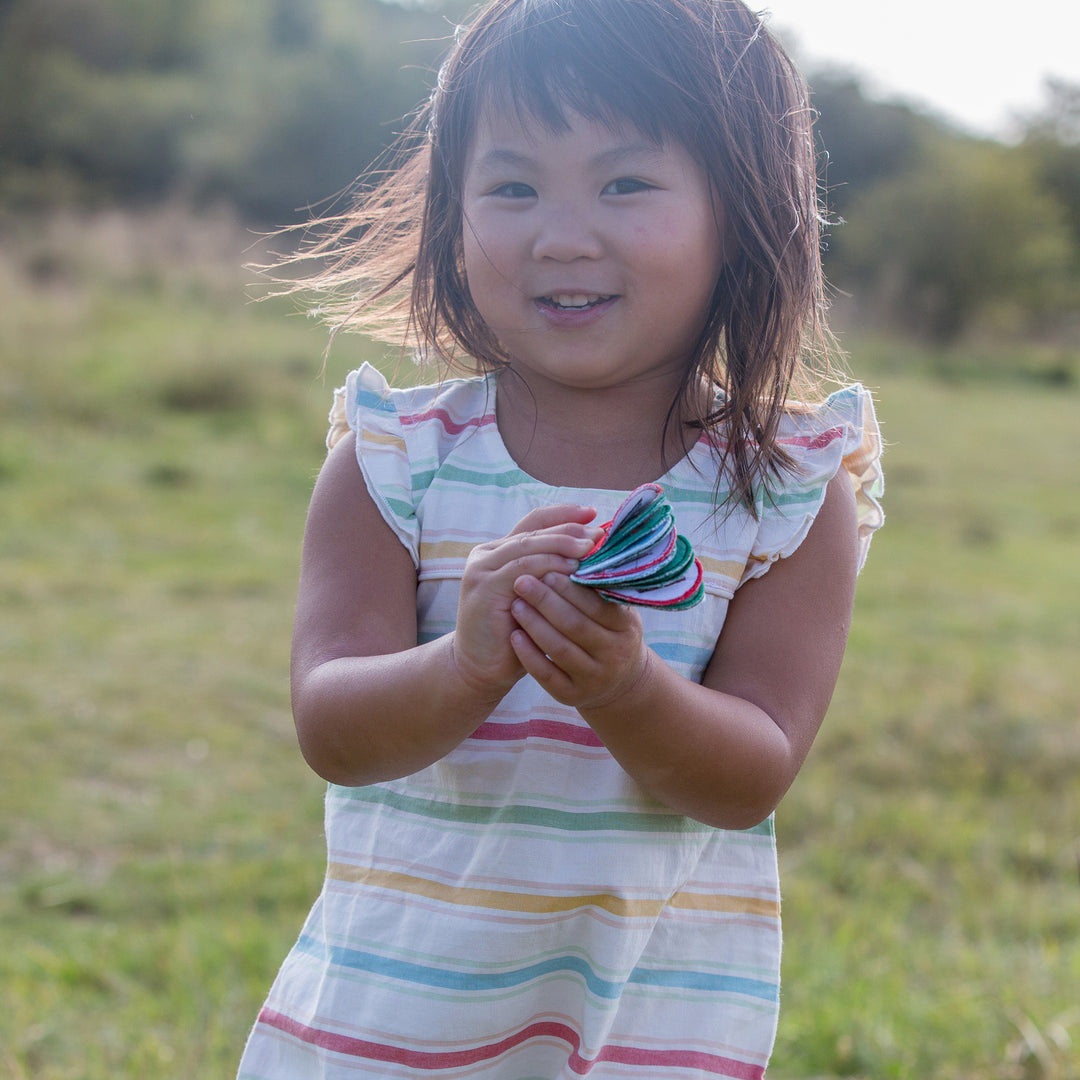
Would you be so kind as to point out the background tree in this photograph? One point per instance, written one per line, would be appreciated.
(273, 107)
(1051, 142)
(967, 235)
(862, 142)
(936, 232)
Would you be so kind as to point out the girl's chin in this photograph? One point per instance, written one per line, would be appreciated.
(581, 371)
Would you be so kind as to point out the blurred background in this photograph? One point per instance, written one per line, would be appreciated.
(160, 837)
(265, 111)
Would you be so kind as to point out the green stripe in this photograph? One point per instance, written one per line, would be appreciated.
(402, 509)
(694, 497)
(809, 496)
(534, 816)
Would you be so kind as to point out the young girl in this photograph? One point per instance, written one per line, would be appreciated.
(549, 831)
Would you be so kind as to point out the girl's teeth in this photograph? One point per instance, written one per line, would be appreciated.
(574, 300)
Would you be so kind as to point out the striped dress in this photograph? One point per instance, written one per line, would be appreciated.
(521, 910)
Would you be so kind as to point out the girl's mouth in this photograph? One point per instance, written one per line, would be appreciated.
(574, 301)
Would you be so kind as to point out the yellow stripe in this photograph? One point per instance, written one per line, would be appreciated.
(369, 436)
(445, 549)
(530, 903)
(727, 568)
(732, 905)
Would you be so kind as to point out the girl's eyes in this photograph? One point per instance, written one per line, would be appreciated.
(625, 185)
(514, 190)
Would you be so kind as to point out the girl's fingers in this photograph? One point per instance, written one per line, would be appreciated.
(565, 649)
(574, 658)
(546, 517)
(542, 599)
(589, 603)
(537, 664)
(571, 623)
(562, 549)
(550, 538)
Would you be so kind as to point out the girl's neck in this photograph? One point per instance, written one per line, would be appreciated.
(611, 438)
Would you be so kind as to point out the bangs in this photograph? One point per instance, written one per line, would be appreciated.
(545, 60)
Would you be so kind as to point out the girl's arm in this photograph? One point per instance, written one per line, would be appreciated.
(369, 703)
(726, 751)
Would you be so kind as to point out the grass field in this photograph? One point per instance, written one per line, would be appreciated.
(160, 836)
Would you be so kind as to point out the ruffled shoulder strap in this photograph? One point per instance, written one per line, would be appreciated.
(367, 406)
(840, 433)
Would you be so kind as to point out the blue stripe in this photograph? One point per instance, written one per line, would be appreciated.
(483, 982)
(445, 979)
(700, 980)
(675, 653)
(370, 400)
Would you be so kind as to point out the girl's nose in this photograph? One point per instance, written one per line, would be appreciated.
(566, 233)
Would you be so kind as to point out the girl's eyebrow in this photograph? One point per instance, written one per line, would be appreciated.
(503, 156)
(616, 155)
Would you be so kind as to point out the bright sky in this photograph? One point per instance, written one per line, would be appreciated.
(976, 62)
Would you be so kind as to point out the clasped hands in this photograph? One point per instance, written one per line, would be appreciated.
(519, 613)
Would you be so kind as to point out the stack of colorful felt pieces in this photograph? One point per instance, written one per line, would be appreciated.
(641, 559)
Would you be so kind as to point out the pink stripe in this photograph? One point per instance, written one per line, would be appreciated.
(811, 442)
(815, 442)
(458, 1059)
(556, 730)
(712, 440)
(455, 427)
(452, 426)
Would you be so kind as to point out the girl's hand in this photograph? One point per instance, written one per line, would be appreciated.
(583, 650)
(548, 540)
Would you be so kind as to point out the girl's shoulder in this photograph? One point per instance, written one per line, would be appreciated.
(367, 403)
(838, 435)
(403, 435)
(841, 430)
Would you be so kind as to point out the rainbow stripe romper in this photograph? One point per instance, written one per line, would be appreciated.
(521, 910)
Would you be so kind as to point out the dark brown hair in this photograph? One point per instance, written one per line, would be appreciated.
(704, 73)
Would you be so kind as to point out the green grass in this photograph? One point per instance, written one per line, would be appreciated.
(931, 846)
(160, 836)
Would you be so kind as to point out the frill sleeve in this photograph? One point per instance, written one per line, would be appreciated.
(366, 407)
(841, 433)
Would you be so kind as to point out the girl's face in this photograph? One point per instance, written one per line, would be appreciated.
(593, 253)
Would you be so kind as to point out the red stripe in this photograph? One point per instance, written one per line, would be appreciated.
(811, 442)
(815, 442)
(556, 730)
(452, 426)
(459, 1059)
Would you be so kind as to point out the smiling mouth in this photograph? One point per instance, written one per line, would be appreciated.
(574, 301)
